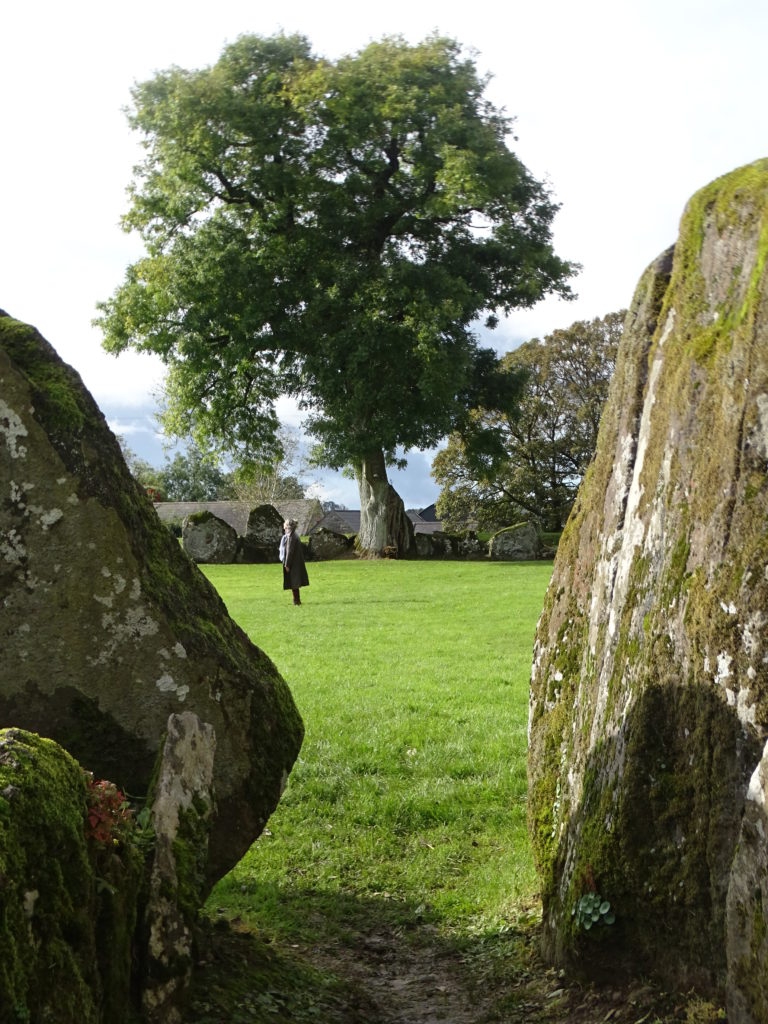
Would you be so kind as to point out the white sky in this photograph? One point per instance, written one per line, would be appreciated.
(626, 108)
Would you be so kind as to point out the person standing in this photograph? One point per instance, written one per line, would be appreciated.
(292, 557)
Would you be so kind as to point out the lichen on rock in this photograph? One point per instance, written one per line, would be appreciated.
(649, 690)
(108, 628)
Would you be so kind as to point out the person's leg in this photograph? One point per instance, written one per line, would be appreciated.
(296, 596)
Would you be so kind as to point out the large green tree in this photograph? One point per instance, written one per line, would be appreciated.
(335, 232)
(191, 475)
(527, 462)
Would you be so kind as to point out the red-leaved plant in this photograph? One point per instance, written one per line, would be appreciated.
(109, 815)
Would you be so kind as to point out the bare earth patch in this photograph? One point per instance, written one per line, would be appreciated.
(405, 983)
(423, 982)
(383, 976)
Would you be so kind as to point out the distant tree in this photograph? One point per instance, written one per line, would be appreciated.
(264, 483)
(290, 488)
(332, 506)
(335, 232)
(193, 476)
(147, 475)
(527, 463)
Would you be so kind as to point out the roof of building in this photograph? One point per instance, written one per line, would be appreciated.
(306, 512)
(340, 520)
(345, 520)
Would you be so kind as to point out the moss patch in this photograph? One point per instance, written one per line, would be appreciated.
(67, 905)
(640, 755)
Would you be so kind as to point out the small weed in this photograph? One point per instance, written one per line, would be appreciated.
(109, 818)
(592, 909)
(699, 1011)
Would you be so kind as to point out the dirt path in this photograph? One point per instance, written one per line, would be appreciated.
(425, 983)
(381, 975)
(406, 983)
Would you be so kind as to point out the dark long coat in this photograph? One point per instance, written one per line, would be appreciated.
(292, 557)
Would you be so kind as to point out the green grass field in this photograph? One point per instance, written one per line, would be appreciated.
(408, 798)
(398, 857)
(403, 820)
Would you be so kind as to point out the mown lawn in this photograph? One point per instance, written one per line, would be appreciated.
(398, 857)
(407, 802)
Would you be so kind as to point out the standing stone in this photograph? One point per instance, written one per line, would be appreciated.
(107, 627)
(208, 539)
(181, 814)
(262, 536)
(519, 543)
(423, 546)
(649, 691)
(325, 545)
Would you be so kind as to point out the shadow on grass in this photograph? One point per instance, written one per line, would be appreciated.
(331, 958)
(340, 959)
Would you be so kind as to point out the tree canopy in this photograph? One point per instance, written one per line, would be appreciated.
(527, 463)
(192, 475)
(331, 231)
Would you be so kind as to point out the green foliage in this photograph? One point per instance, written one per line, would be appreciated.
(276, 479)
(526, 461)
(311, 228)
(592, 909)
(194, 476)
(141, 470)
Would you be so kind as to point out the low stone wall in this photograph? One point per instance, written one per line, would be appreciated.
(209, 540)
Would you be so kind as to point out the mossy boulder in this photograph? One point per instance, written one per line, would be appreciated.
(518, 543)
(208, 539)
(649, 691)
(65, 954)
(108, 627)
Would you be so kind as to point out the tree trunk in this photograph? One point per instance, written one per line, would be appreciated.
(385, 529)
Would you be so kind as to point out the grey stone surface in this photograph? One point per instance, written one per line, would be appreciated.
(326, 544)
(208, 539)
(262, 536)
(649, 690)
(107, 627)
(181, 814)
(519, 543)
